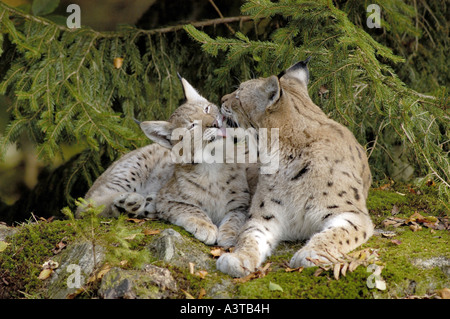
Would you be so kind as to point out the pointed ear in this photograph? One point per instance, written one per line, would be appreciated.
(190, 93)
(271, 91)
(298, 71)
(158, 131)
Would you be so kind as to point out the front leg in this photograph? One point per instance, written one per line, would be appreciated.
(190, 217)
(230, 227)
(255, 243)
(339, 236)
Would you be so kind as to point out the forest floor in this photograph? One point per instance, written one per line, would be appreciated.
(408, 257)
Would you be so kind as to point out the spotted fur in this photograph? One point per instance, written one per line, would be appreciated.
(319, 191)
(210, 201)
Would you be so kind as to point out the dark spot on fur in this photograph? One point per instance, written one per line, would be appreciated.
(349, 202)
(340, 194)
(230, 201)
(301, 172)
(348, 242)
(121, 209)
(261, 205)
(355, 190)
(354, 226)
(340, 242)
(330, 184)
(356, 239)
(324, 193)
(332, 206)
(359, 153)
(276, 201)
(269, 217)
(364, 235)
(326, 216)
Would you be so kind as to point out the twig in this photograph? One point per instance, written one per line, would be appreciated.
(109, 34)
(221, 15)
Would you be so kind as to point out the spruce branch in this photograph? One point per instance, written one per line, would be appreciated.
(114, 34)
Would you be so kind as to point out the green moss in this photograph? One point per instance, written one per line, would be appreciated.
(21, 262)
(408, 200)
(29, 249)
(400, 272)
(305, 285)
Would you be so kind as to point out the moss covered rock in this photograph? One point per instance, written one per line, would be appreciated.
(154, 259)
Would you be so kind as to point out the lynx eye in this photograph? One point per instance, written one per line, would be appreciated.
(207, 109)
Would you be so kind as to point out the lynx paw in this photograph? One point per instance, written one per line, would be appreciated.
(130, 203)
(203, 231)
(309, 258)
(226, 240)
(234, 265)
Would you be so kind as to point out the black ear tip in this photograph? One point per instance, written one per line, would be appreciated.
(307, 60)
(137, 122)
(179, 76)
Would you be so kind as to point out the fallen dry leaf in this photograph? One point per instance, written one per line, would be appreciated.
(337, 271)
(45, 273)
(388, 234)
(202, 293)
(191, 268)
(395, 210)
(318, 272)
(217, 251)
(135, 220)
(344, 269)
(298, 269)
(202, 274)
(59, 246)
(259, 273)
(415, 227)
(131, 237)
(151, 231)
(99, 275)
(188, 295)
(396, 242)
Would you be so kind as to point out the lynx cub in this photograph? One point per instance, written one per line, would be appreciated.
(210, 200)
(319, 191)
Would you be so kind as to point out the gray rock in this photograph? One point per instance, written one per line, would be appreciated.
(150, 283)
(76, 264)
(441, 262)
(6, 231)
(179, 251)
